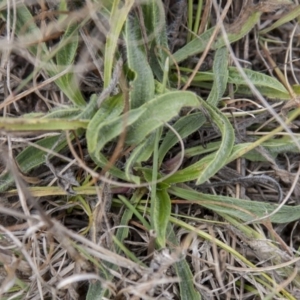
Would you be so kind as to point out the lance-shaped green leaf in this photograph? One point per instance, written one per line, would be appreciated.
(102, 162)
(184, 127)
(227, 132)
(108, 130)
(284, 144)
(90, 109)
(76, 113)
(192, 172)
(220, 72)
(200, 150)
(64, 58)
(63, 113)
(210, 164)
(26, 124)
(272, 148)
(160, 213)
(265, 91)
(67, 47)
(141, 153)
(142, 86)
(110, 109)
(194, 47)
(233, 34)
(32, 157)
(99, 132)
(265, 83)
(158, 111)
(245, 210)
(160, 204)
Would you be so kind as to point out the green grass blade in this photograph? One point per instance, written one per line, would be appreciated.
(96, 291)
(68, 84)
(126, 252)
(132, 207)
(190, 19)
(186, 284)
(197, 18)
